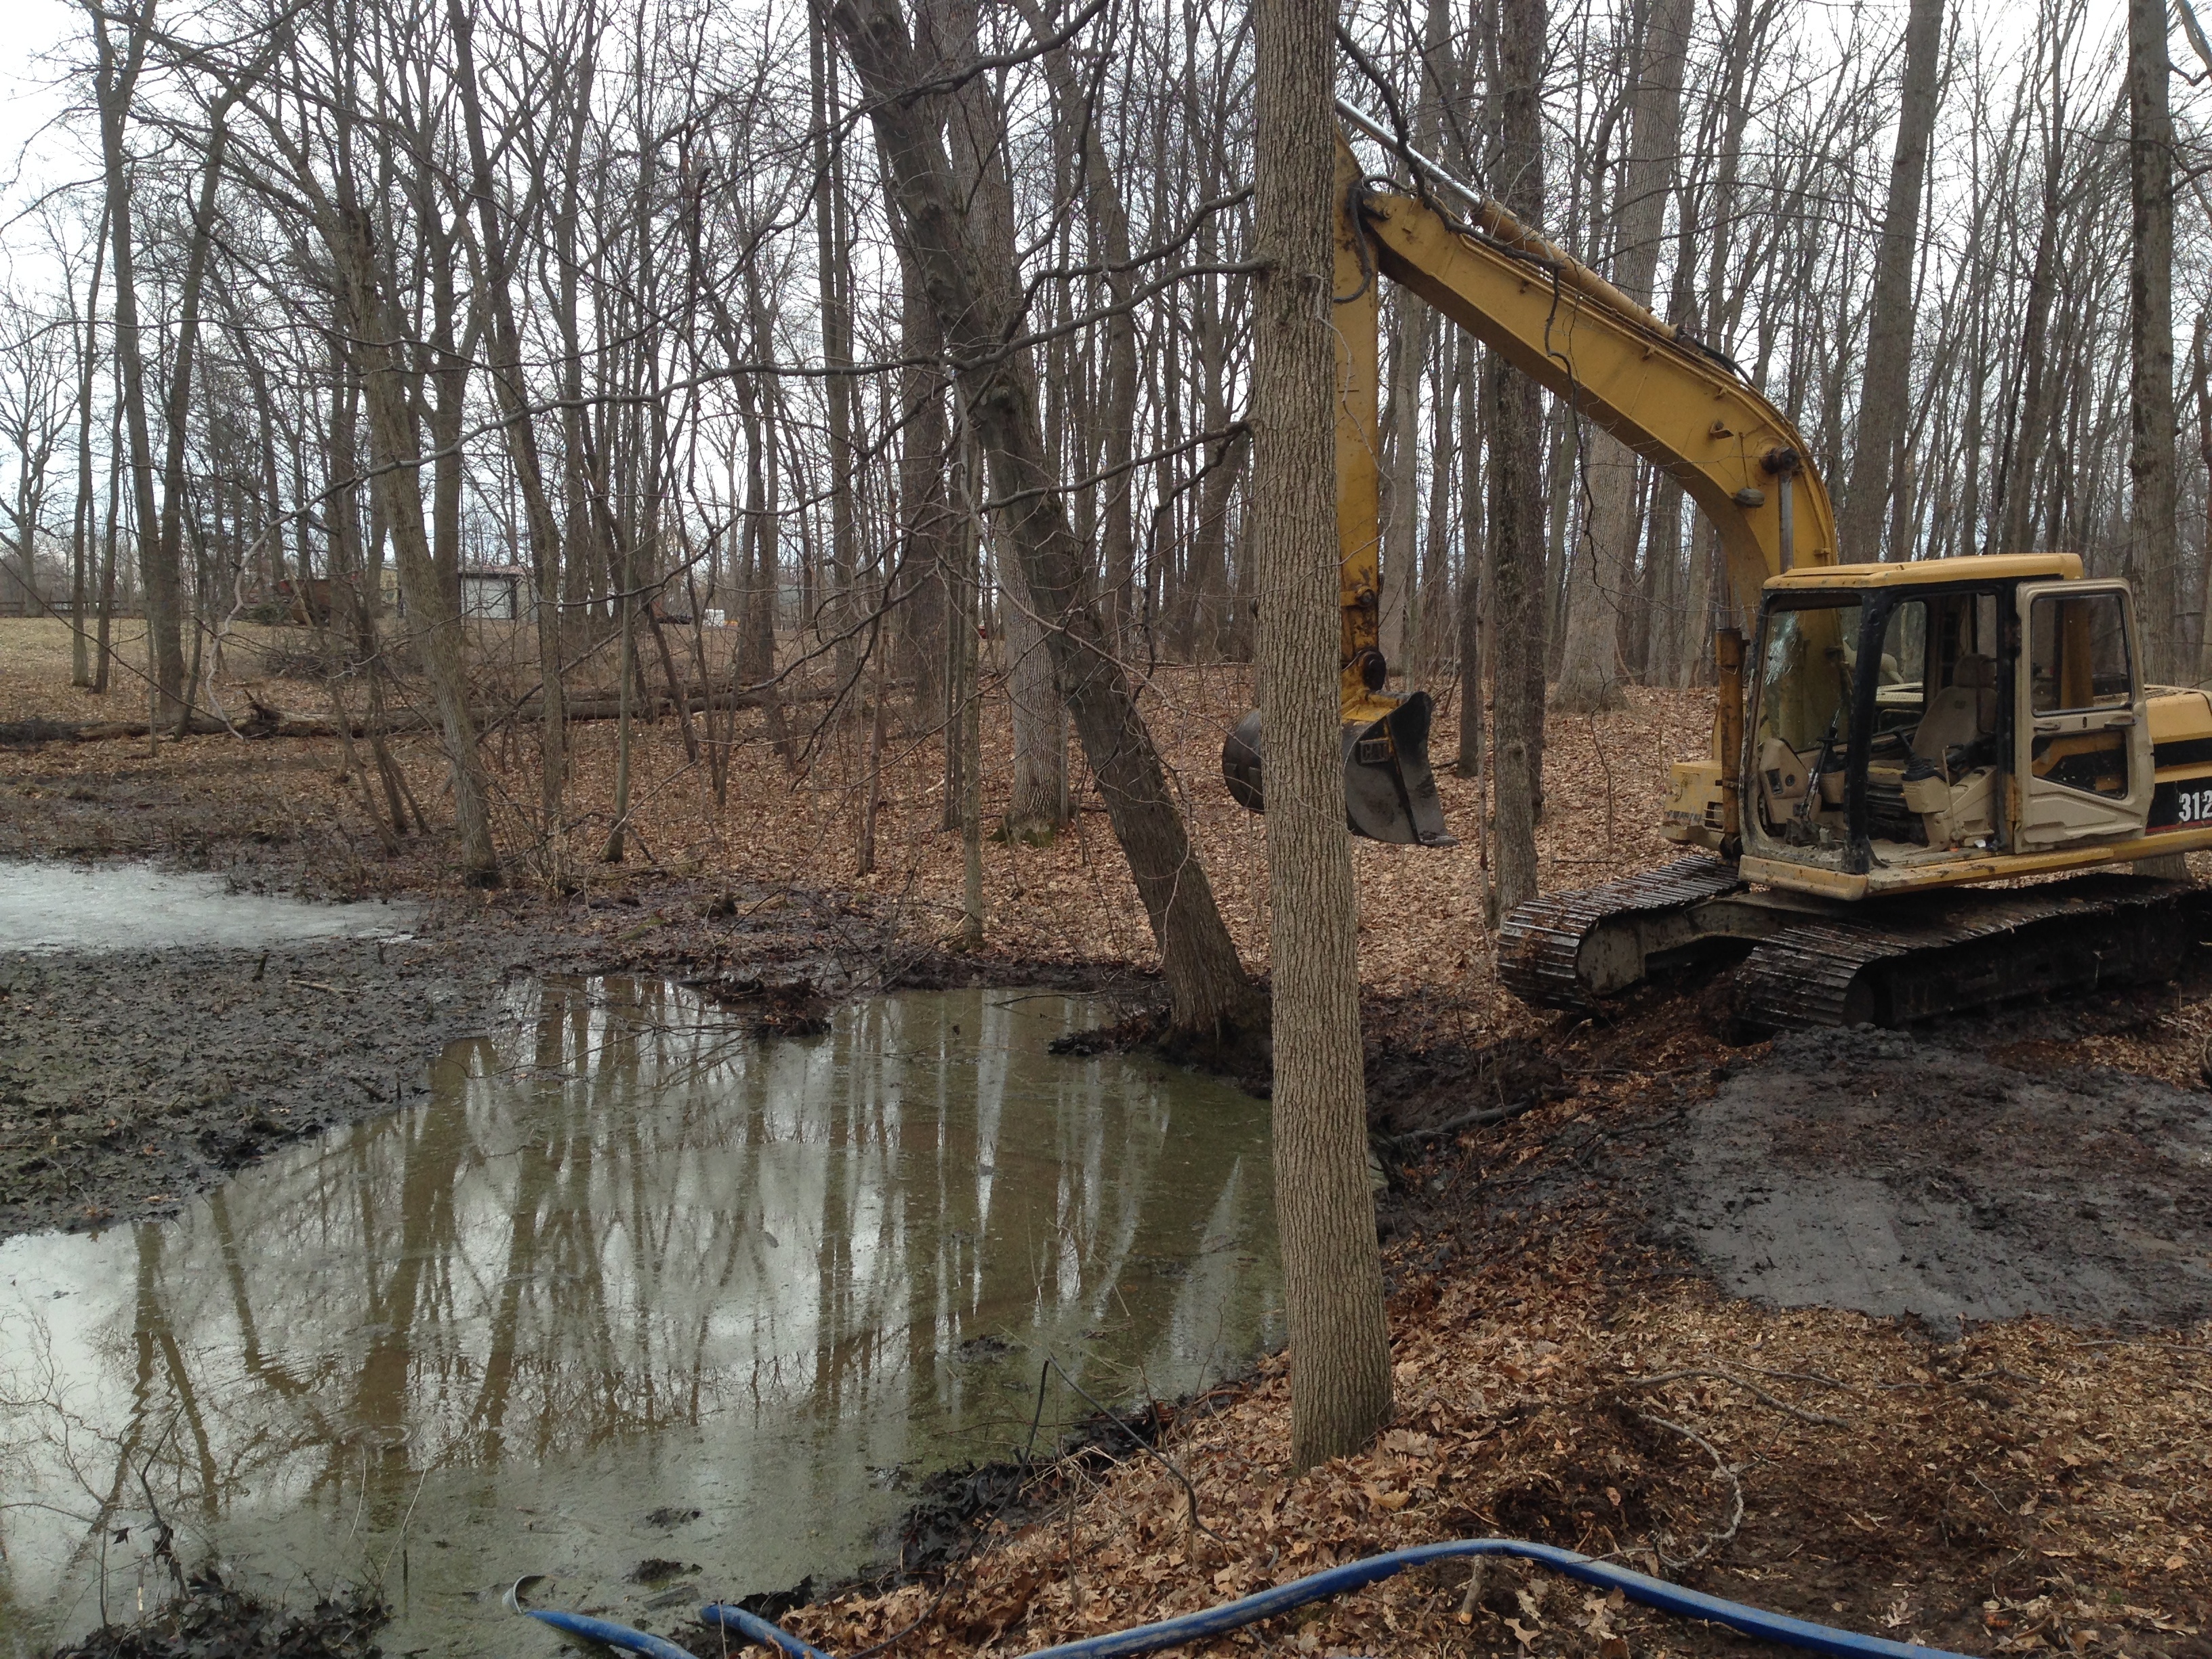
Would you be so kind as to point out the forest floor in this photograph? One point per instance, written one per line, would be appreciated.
(1908, 1334)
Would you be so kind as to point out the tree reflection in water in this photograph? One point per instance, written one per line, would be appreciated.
(625, 1261)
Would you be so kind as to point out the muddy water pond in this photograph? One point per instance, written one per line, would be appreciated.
(135, 907)
(632, 1286)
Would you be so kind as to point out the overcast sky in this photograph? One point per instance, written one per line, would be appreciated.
(33, 34)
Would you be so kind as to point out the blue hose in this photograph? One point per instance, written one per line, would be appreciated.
(754, 1628)
(606, 1630)
(1356, 1574)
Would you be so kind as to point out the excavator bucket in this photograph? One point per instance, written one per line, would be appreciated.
(1389, 793)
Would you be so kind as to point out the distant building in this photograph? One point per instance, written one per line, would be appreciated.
(495, 592)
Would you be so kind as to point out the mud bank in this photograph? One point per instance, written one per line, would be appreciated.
(130, 1080)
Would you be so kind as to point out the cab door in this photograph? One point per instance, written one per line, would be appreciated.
(2080, 723)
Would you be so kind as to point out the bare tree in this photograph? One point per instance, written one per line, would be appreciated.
(1332, 1273)
(1516, 492)
(974, 305)
(1885, 401)
(2154, 548)
(1604, 567)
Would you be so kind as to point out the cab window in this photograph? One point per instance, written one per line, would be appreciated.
(1900, 685)
(2078, 654)
(1805, 677)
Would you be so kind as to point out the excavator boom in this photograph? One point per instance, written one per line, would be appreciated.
(1915, 728)
(1680, 406)
(1683, 408)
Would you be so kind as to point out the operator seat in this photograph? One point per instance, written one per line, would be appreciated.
(1961, 713)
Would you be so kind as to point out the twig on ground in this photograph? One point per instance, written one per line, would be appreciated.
(1752, 1389)
(1141, 1444)
(1713, 1539)
(1483, 1118)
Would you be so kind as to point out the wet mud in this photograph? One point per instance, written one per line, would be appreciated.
(211, 1619)
(132, 1079)
(1921, 1175)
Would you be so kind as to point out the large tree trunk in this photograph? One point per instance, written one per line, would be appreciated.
(117, 79)
(2155, 552)
(1517, 488)
(1885, 389)
(974, 304)
(1036, 803)
(924, 513)
(1332, 1273)
(434, 619)
(1604, 567)
(512, 397)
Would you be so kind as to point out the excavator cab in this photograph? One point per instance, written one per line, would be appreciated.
(1908, 716)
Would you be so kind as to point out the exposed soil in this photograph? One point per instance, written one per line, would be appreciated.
(1901, 1173)
(1569, 1370)
(128, 1083)
(210, 1618)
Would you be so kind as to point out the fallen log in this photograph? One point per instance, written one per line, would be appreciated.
(263, 720)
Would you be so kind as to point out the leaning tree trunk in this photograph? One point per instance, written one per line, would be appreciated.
(974, 304)
(1332, 1272)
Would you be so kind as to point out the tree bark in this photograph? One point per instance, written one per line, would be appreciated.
(81, 522)
(433, 619)
(975, 305)
(512, 396)
(1884, 388)
(1602, 574)
(1036, 803)
(1518, 487)
(116, 81)
(1332, 1272)
(2152, 544)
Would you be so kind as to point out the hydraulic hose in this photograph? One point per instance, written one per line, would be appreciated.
(1356, 1574)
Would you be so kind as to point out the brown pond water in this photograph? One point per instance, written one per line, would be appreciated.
(631, 1286)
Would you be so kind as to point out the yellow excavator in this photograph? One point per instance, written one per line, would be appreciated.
(1906, 733)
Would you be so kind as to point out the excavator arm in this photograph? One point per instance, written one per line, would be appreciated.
(1680, 406)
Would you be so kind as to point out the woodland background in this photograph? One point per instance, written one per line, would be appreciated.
(614, 300)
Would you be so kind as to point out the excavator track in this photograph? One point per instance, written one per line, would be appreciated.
(1543, 949)
(1876, 962)
(1889, 966)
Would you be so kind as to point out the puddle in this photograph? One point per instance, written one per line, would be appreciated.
(631, 1287)
(134, 907)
